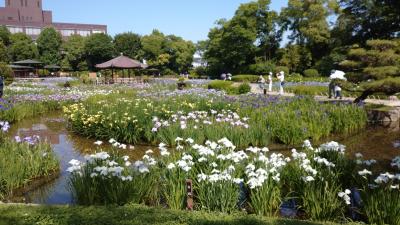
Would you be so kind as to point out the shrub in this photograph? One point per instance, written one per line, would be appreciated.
(245, 78)
(244, 88)
(311, 73)
(7, 73)
(201, 71)
(67, 84)
(307, 90)
(262, 67)
(44, 72)
(282, 68)
(220, 85)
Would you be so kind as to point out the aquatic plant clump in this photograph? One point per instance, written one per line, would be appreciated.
(24, 161)
(322, 181)
(282, 120)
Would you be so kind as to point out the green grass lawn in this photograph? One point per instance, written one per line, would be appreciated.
(127, 215)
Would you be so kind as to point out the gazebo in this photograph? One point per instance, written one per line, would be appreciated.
(121, 62)
(21, 71)
(25, 66)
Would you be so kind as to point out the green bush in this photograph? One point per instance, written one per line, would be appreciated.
(307, 90)
(44, 72)
(311, 73)
(245, 78)
(282, 68)
(220, 85)
(262, 67)
(244, 88)
(7, 73)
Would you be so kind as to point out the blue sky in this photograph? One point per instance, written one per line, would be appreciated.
(190, 19)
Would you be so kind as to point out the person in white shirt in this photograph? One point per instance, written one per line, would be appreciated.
(338, 91)
(281, 77)
(261, 80)
(270, 82)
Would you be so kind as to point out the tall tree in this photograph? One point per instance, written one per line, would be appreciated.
(308, 23)
(3, 52)
(181, 53)
(153, 45)
(129, 44)
(362, 20)
(48, 44)
(22, 47)
(170, 54)
(74, 58)
(376, 68)
(98, 49)
(5, 35)
(251, 34)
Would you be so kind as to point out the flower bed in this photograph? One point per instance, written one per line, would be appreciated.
(325, 184)
(283, 120)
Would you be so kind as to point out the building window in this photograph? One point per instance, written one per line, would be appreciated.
(15, 30)
(32, 31)
(10, 18)
(98, 31)
(67, 33)
(26, 3)
(8, 2)
(38, 4)
(22, 3)
(84, 33)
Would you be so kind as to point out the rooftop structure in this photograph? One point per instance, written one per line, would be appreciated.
(28, 16)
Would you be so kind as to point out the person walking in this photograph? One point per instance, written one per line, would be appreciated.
(261, 80)
(1, 86)
(281, 77)
(270, 82)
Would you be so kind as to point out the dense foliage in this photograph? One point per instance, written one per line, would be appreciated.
(49, 46)
(74, 59)
(22, 47)
(377, 67)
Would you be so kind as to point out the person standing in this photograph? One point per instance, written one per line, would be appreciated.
(270, 82)
(229, 75)
(331, 85)
(281, 77)
(223, 76)
(262, 83)
(338, 91)
(1, 86)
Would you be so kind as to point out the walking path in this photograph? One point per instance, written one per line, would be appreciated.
(393, 103)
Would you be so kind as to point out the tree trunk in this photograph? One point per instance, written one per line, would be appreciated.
(363, 96)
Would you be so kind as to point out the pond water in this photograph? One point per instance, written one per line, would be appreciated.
(375, 142)
(67, 146)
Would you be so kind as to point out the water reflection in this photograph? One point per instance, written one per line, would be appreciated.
(376, 142)
(67, 146)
